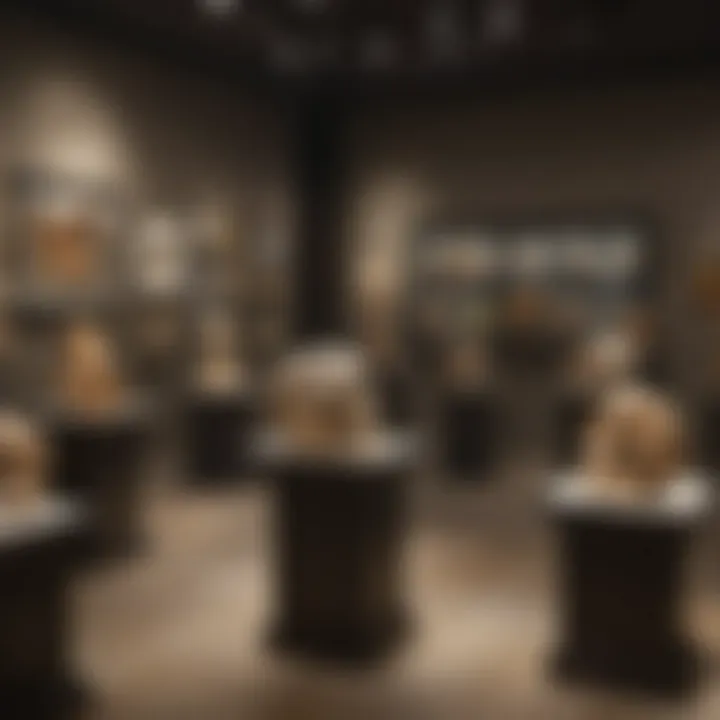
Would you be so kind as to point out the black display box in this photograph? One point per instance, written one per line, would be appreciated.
(339, 531)
(217, 430)
(469, 425)
(621, 587)
(99, 458)
(40, 549)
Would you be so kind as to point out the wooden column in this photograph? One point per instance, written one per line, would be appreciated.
(318, 166)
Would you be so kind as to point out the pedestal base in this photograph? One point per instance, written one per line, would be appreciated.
(100, 461)
(339, 534)
(40, 699)
(621, 573)
(672, 671)
(344, 644)
(216, 434)
(572, 413)
(40, 549)
(469, 434)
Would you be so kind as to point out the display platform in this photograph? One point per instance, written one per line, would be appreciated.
(340, 526)
(709, 430)
(40, 548)
(398, 399)
(469, 429)
(98, 458)
(621, 584)
(572, 412)
(217, 427)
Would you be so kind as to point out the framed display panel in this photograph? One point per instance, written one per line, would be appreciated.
(63, 233)
(600, 264)
(163, 253)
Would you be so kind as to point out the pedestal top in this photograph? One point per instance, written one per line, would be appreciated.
(684, 501)
(135, 408)
(46, 519)
(237, 392)
(382, 451)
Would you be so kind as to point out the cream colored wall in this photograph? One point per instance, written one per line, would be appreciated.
(653, 149)
(169, 138)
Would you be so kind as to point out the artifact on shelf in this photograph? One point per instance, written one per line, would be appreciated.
(220, 369)
(322, 400)
(633, 446)
(161, 254)
(64, 250)
(22, 460)
(90, 379)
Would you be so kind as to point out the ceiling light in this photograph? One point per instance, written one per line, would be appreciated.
(220, 8)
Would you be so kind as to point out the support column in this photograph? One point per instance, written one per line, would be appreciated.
(318, 167)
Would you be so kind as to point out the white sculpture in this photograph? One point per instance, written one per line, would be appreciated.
(322, 399)
(22, 459)
(633, 447)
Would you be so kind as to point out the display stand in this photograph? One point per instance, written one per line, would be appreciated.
(99, 459)
(216, 434)
(340, 526)
(39, 549)
(530, 352)
(469, 433)
(709, 427)
(572, 413)
(621, 586)
(398, 399)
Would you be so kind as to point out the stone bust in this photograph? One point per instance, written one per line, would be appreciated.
(321, 399)
(89, 378)
(633, 447)
(22, 459)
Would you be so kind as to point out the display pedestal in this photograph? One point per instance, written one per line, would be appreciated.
(530, 352)
(572, 414)
(709, 426)
(621, 586)
(216, 435)
(468, 427)
(398, 400)
(99, 459)
(39, 550)
(340, 526)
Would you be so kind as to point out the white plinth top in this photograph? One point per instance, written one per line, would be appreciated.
(388, 447)
(47, 517)
(685, 498)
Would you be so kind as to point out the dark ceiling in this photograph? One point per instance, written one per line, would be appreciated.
(409, 40)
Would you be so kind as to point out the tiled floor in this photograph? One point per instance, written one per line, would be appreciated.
(178, 634)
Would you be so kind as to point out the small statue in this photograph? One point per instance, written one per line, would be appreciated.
(22, 460)
(634, 446)
(89, 375)
(65, 250)
(219, 367)
(321, 399)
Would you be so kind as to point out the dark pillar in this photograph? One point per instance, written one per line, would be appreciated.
(318, 155)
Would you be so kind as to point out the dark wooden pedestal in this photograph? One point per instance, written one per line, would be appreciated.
(621, 590)
(216, 435)
(100, 460)
(340, 527)
(468, 425)
(709, 432)
(573, 410)
(39, 551)
(398, 398)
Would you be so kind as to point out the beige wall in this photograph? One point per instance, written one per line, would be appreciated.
(169, 138)
(654, 149)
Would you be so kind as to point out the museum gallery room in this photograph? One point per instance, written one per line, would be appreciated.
(499, 219)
